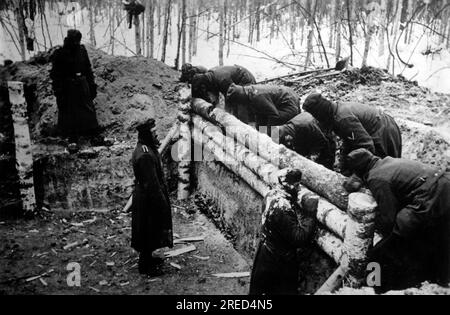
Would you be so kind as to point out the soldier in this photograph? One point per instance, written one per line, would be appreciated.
(275, 269)
(188, 72)
(209, 85)
(267, 105)
(151, 210)
(358, 125)
(304, 135)
(133, 8)
(414, 206)
(75, 89)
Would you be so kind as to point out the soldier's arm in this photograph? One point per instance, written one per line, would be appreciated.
(56, 73)
(354, 136)
(388, 205)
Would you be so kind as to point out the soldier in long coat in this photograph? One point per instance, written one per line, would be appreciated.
(75, 89)
(414, 210)
(151, 210)
(358, 126)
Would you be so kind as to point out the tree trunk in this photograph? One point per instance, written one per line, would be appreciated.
(191, 33)
(137, 33)
(183, 33)
(393, 42)
(333, 19)
(310, 50)
(91, 23)
(339, 12)
(159, 14)
(370, 29)
(18, 13)
(150, 11)
(181, 47)
(350, 30)
(383, 25)
(221, 31)
(292, 25)
(166, 30)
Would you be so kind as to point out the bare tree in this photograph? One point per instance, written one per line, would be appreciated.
(222, 10)
(310, 51)
(166, 29)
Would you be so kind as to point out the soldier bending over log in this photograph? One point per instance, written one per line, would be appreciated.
(188, 72)
(267, 105)
(304, 135)
(358, 125)
(414, 210)
(209, 85)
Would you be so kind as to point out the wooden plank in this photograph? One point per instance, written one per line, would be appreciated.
(232, 274)
(24, 154)
(180, 251)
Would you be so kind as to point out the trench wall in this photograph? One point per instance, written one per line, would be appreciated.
(237, 206)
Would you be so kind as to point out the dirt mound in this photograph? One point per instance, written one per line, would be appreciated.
(127, 88)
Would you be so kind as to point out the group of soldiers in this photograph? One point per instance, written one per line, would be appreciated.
(413, 198)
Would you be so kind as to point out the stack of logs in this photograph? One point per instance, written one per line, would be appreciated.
(347, 221)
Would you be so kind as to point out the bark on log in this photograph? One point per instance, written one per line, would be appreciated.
(265, 170)
(184, 147)
(359, 235)
(327, 214)
(238, 168)
(330, 244)
(321, 180)
(24, 154)
(333, 282)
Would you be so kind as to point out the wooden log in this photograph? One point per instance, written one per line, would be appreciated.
(327, 214)
(265, 170)
(238, 168)
(319, 179)
(184, 147)
(333, 282)
(24, 155)
(359, 235)
(330, 244)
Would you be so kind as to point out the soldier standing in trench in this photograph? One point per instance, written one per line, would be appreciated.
(414, 218)
(151, 210)
(75, 89)
(275, 268)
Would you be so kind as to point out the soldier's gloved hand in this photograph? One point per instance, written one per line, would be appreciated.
(353, 184)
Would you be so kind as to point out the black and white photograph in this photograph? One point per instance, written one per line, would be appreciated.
(224, 153)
